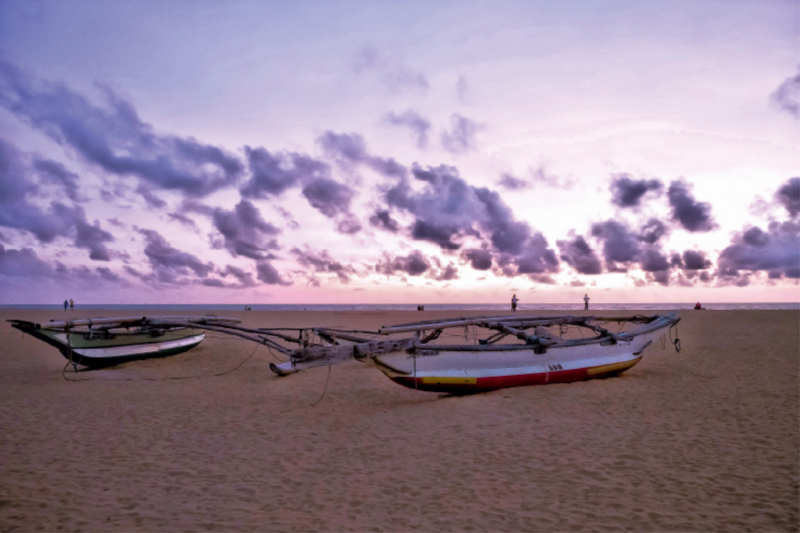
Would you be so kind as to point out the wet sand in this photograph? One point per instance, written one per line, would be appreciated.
(703, 440)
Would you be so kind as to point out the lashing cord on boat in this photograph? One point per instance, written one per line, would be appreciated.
(677, 341)
(175, 378)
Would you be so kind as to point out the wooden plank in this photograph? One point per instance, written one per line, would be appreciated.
(484, 322)
(328, 355)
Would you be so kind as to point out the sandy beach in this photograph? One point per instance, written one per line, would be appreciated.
(703, 440)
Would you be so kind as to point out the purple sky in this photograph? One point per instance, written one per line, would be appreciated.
(440, 152)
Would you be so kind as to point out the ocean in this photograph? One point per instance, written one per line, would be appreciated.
(771, 306)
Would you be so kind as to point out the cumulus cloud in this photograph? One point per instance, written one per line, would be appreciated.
(412, 120)
(169, 264)
(579, 255)
(245, 231)
(775, 251)
(628, 192)
(383, 219)
(694, 216)
(788, 195)
(620, 245)
(269, 274)
(461, 135)
(23, 263)
(55, 172)
(448, 273)
(414, 264)
(243, 279)
(16, 211)
(113, 137)
(694, 260)
(329, 197)
(273, 173)
(350, 149)
(787, 96)
(183, 219)
(652, 231)
(479, 259)
(508, 181)
(447, 210)
(321, 262)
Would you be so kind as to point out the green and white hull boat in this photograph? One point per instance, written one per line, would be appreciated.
(97, 343)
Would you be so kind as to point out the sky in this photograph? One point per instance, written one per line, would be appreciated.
(403, 152)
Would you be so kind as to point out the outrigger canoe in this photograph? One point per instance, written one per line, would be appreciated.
(498, 352)
(97, 343)
(545, 355)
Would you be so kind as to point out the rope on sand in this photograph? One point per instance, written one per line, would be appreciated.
(326, 387)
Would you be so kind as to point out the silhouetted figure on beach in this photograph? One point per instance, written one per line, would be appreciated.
(698, 306)
(514, 302)
(585, 302)
(66, 304)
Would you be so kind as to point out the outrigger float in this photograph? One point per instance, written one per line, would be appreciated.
(498, 352)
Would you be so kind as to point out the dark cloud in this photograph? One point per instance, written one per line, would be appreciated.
(440, 235)
(113, 136)
(23, 263)
(329, 197)
(619, 243)
(653, 260)
(350, 148)
(479, 259)
(536, 258)
(59, 220)
(383, 219)
(447, 210)
(787, 96)
(244, 279)
(183, 219)
(169, 263)
(151, 199)
(775, 251)
(627, 192)
(245, 231)
(789, 196)
(269, 275)
(55, 172)
(271, 174)
(89, 236)
(693, 260)
(461, 136)
(579, 255)
(652, 231)
(415, 122)
(414, 264)
(394, 74)
(448, 273)
(322, 262)
(348, 225)
(692, 215)
(510, 182)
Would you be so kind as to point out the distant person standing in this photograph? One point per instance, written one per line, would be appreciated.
(585, 302)
(514, 302)
(66, 304)
(71, 304)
